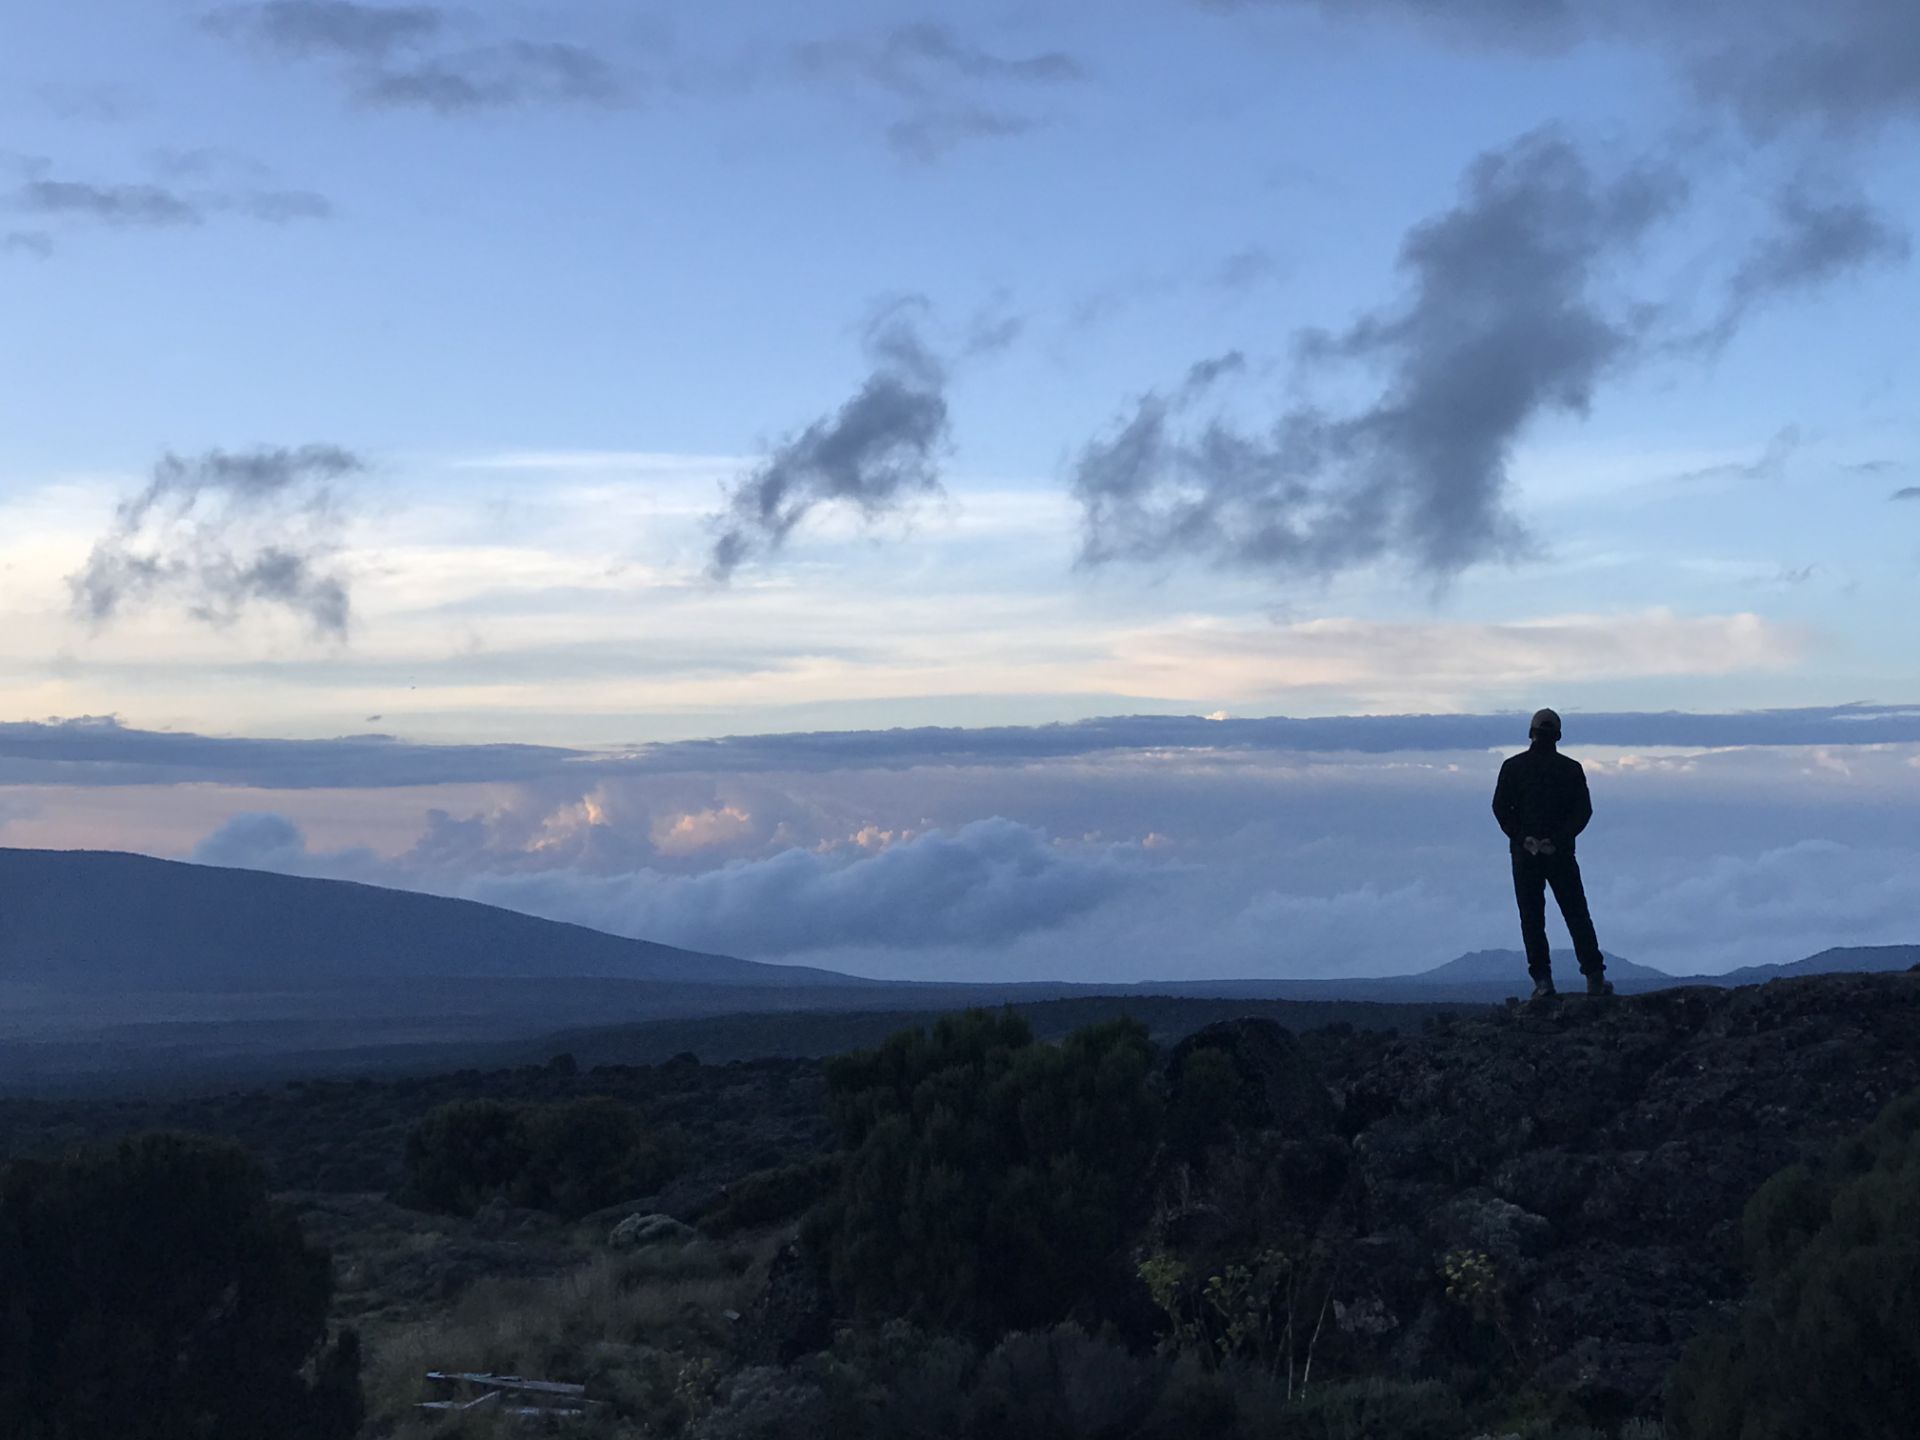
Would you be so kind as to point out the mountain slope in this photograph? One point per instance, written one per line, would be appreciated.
(1844, 959)
(84, 920)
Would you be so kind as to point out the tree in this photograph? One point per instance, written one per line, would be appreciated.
(569, 1158)
(989, 1182)
(1828, 1341)
(151, 1291)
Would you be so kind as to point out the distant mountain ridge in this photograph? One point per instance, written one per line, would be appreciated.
(115, 962)
(1481, 966)
(86, 919)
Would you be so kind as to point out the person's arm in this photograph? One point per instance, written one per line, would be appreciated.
(1504, 804)
(1580, 810)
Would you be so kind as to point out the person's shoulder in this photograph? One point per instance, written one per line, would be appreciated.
(1569, 764)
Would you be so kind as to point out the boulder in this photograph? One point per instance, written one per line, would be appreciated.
(638, 1231)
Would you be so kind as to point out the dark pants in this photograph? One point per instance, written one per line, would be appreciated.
(1532, 874)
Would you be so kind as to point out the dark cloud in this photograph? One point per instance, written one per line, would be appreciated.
(148, 205)
(877, 453)
(99, 750)
(307, 28)
(931, 134)
(519, 72)
(1814, 242)
(1244, 269)
(1526, 23)
(1846, 65)
(37, 243)
(400, 57)
(1363, 734)
(948, 85)
(1910, 492)
(224, 531)
(923, 57)
(908, 48)
(108, 204)
(1504, 324)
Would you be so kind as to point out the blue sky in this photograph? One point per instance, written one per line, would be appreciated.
(408, 369)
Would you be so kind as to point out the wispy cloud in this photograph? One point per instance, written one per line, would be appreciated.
(1814, 241)
(415, 56)
(36, 243)
(183, 196)
(224, 531)
(878, 453)
(951, 89)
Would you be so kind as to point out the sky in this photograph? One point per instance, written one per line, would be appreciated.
(725, 472)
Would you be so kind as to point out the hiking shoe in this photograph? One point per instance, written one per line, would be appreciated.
(1599, 985)
(1543, 988)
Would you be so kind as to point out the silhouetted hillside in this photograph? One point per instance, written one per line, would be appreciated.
(81, 920)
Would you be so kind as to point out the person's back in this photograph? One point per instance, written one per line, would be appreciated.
(1542, 804)
(1543, 793)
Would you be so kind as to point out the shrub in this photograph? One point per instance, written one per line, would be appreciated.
(151, 1291)
(1379, 1410)
(989, 1182)
(463, 1153)
(769, 1197)
(569, 1158)
(1828, 1341)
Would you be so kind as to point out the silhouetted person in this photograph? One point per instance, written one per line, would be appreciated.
(1542, 804)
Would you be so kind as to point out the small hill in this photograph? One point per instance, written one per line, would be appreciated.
(1509, 967)
(91, 920)
(1841, 960)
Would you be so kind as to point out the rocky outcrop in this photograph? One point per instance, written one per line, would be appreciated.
(1597, 1156)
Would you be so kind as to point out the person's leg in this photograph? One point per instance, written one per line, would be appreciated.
(1530, 890)
(1571, 894)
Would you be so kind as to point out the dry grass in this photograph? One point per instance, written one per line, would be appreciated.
(642, 1330)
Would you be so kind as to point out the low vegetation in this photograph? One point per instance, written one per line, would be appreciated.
(967, 1232)
(568, 1158)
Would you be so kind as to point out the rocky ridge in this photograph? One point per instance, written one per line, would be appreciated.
(1595, 1155)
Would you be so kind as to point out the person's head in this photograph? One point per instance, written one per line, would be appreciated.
(1545, 726)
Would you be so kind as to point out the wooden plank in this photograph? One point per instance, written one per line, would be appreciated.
(509, 1382)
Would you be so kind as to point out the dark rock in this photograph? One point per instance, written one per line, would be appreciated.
(793, 1315)
(1600, 1157)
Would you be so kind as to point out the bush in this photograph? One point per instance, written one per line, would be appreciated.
(151, 1291)
(462, 1154)
(769, 1197)
(569, 1159)
(1828, 1341)
(989, 1183)
(1379, 1410)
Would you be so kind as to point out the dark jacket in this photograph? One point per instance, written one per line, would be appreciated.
(1542, 793)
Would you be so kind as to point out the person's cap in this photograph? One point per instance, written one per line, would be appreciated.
(1545, 725)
